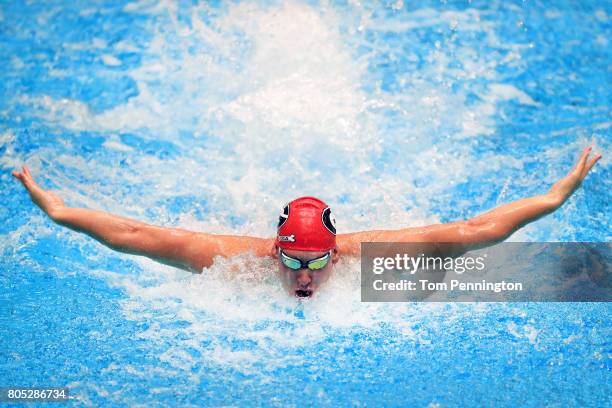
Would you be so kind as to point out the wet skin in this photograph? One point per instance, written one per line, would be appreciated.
(304, 282)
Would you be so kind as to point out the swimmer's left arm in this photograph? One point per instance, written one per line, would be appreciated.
(486, 229)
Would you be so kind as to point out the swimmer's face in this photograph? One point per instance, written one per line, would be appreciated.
(304, 282)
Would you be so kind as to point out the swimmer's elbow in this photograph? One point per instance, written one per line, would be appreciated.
(58, 214)
(194, 267)
(478, 232)
(128, 238)
(186, 266)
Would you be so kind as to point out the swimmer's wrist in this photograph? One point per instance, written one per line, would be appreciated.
(57, 213)
(555, 199)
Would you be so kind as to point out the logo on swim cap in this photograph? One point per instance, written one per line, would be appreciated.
(286, 238)
(328, 220)
(282, 218)
(306, 224)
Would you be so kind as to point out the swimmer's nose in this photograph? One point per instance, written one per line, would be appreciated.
(303, 279)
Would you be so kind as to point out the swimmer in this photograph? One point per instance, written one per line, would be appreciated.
(306, 245)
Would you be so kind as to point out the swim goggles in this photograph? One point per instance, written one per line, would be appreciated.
(296, 264)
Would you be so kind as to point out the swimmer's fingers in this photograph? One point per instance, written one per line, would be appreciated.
(580, 165)
(585, 164)
(26, 172)
(567, 185)
(25, 177)
(589, 165)
(21, 177)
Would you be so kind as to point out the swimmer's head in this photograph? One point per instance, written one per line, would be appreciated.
(306, 224)
(306, 245)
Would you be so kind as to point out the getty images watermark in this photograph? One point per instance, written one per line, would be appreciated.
(511, 271)
(413, 264)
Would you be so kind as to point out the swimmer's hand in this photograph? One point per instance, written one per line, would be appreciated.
(48, 201)
(564, 188)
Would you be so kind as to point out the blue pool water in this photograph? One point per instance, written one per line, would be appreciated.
(209, 116)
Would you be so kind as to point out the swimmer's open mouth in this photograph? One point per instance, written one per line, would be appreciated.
(303, 293)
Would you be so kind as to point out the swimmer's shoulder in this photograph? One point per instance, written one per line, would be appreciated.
(349, 244)
(204, 247)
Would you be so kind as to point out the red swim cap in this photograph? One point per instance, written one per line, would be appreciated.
(306, 224)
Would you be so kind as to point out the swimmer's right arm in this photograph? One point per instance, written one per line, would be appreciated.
(176, 247)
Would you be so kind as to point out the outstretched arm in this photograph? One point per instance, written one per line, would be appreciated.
(172, 246)
(486, 229)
